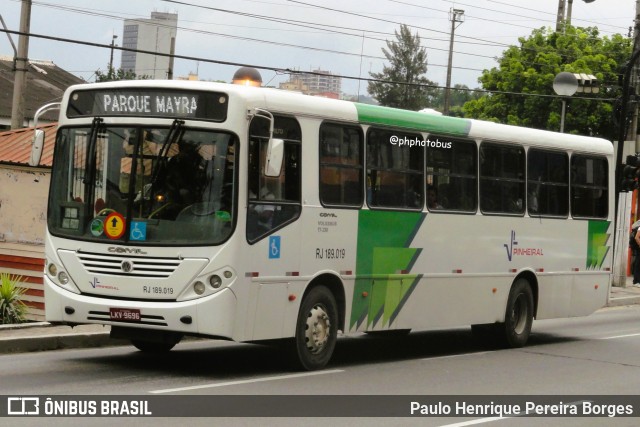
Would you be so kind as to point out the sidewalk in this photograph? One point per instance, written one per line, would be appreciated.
(41, 336)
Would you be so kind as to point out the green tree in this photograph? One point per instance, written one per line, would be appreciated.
(408, 64)
(119, 74)
(460, 94)
(532, 67)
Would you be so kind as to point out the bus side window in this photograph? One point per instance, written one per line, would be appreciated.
(395, 174)
(451, 170)
(273, 201)
(589, 186)
(341, 170)
(547, 183)
(502, 184)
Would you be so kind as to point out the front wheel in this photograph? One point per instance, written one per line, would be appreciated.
(316, 329)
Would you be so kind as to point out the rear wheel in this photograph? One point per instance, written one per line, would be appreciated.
(316, 329)
(152, 347)
(515, 330)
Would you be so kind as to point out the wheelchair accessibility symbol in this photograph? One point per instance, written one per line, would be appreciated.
(138, 231)
(274, 247)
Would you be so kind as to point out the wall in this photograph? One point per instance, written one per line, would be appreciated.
(23, 207)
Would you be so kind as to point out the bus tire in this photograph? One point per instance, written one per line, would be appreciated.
(316, 329)
(515, 330)
(153, 347)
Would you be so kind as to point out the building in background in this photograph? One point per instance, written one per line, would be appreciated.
(155, 35)
(320, 83)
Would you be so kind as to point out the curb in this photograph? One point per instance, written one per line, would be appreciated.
(57, 342)
(622, 301)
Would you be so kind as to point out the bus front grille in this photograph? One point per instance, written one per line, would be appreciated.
(129, 266)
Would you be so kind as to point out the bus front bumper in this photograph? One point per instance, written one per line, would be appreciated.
(209, 316)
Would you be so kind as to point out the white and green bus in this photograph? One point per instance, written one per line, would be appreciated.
(256, 215)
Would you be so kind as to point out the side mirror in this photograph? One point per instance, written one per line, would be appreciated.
(36, 148)
(38, 135)
(275, 152)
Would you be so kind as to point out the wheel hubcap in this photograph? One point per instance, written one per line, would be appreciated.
(318, 329)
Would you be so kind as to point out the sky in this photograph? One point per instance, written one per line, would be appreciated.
(344, 37)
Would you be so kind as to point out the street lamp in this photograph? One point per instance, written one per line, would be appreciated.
(113, 39)
(565, 84)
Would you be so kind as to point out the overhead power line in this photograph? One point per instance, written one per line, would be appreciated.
(275, 69)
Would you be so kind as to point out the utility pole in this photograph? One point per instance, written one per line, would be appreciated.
(455, 16)
(113, 40)
(569, 8)
(172, 52)
(622, 202)
(633, 129)
(21, 64)
(560, 17)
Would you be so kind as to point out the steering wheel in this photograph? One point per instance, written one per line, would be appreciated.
(105, 212)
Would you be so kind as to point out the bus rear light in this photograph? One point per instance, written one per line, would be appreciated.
(198, 288)
(215, 281)
(227, 274)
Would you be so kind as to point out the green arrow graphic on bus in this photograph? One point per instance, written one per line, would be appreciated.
(597, 247)
(383, 252)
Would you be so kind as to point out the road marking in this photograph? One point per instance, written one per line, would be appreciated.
(492, 419)
(458, 355)
(478, 421)
(620, 336)
(255, 380)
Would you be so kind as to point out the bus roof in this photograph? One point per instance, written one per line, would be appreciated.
(277, 100)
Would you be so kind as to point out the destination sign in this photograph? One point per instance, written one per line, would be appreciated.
(140, 102)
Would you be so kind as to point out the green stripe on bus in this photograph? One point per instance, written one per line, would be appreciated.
(425, 122)
(597, 247)
(383, 251)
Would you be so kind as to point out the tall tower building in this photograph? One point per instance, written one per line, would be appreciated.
(153, 35)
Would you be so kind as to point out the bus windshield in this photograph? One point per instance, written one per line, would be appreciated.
(143, 185)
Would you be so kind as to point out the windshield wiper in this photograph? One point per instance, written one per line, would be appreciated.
(175, 134)
(90, 163)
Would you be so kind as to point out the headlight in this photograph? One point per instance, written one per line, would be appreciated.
(53, 270)
(215, 281)
(63, 278)
(198, 288)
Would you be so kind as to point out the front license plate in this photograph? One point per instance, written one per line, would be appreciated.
(124, 314)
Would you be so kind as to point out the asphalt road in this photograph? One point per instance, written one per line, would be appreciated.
(596, 355)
